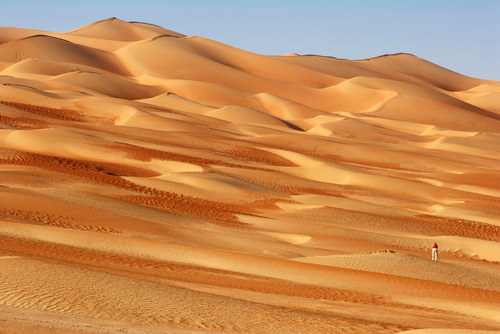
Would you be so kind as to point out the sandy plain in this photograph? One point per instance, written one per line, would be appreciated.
(152, 182)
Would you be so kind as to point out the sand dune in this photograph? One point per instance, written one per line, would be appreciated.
(407, 265)
(115, 29)
(58, 49)
(152, 182)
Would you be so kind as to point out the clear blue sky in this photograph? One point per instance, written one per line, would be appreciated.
(463, 36)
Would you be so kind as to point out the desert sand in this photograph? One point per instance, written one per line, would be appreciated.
(152, 182)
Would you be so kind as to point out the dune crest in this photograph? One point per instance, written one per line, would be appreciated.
(152, 182)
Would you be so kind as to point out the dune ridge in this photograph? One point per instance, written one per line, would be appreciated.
(153, 182)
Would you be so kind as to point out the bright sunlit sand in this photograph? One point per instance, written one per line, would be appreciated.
(152, 182)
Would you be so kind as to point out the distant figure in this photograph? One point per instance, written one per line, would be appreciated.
(435, 252)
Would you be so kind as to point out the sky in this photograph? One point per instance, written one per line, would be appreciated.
(463, 36)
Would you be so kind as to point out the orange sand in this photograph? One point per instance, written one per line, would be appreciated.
(152, 182)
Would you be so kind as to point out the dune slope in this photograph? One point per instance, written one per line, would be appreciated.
(152, 182)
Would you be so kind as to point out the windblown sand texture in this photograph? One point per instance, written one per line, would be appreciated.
(152, 182)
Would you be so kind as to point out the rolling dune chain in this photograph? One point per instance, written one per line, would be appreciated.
(152, 182)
